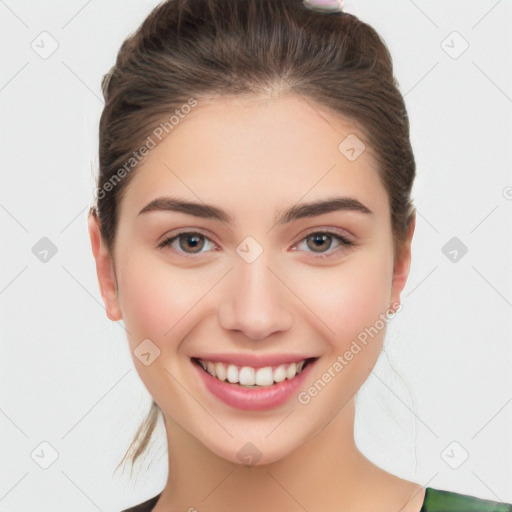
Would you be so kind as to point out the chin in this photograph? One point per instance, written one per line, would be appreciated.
(253, 453)
(250, 455)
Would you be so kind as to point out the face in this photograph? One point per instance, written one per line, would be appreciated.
(256, 286)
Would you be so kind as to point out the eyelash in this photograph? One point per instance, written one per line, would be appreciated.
(343, 242)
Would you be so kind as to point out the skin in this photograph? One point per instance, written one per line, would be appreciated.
(254, 158)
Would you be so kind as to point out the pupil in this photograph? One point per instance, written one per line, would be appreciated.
(320, 239)
(193, 242)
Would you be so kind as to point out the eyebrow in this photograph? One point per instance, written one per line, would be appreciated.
(298, 211)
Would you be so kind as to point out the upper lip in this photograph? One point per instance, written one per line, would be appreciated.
(254, 360)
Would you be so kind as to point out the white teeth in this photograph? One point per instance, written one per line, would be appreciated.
(220, 371)
(264, 376)
(292, 371)
(248, 376)
(280, 373)
(210, 367)
(232, 374)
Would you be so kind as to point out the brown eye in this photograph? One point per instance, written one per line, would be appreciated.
(188, 243)
(319, 241)
(192, 241)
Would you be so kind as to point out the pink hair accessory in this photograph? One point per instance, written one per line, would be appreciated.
(324, 5)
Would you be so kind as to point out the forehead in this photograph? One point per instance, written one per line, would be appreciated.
(260, 151)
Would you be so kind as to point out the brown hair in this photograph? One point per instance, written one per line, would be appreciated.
(188, 49)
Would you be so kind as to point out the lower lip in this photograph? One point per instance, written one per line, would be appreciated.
(253, 399)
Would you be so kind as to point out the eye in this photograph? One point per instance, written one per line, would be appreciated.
(187, 242)
(321, 241)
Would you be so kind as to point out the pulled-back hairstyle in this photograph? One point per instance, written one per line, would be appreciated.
(187, 51)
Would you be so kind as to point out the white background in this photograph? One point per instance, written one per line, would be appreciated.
(67, 375)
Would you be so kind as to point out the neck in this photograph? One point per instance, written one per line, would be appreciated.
(328, 472)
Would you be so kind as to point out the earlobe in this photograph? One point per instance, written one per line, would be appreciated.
(402, 265)
(104, 270)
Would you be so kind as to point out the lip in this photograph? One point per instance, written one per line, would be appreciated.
(254, 399)
(254, 360)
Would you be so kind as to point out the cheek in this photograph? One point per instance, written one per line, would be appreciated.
(350, 297)
(152, 299)
(156, 298)
(352, 301)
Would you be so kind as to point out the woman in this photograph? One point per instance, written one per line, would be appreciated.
(253, 221)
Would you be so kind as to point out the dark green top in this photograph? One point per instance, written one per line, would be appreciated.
(435, 500)
(446, 501)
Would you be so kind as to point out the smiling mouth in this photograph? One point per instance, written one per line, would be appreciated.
(251, 377)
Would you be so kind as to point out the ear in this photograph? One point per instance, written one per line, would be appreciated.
(104, 270)
(402, 264)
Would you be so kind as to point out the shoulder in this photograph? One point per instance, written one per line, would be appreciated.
(437, 500)
(147, 506)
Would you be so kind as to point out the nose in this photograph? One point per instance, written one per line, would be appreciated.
(256, 302)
